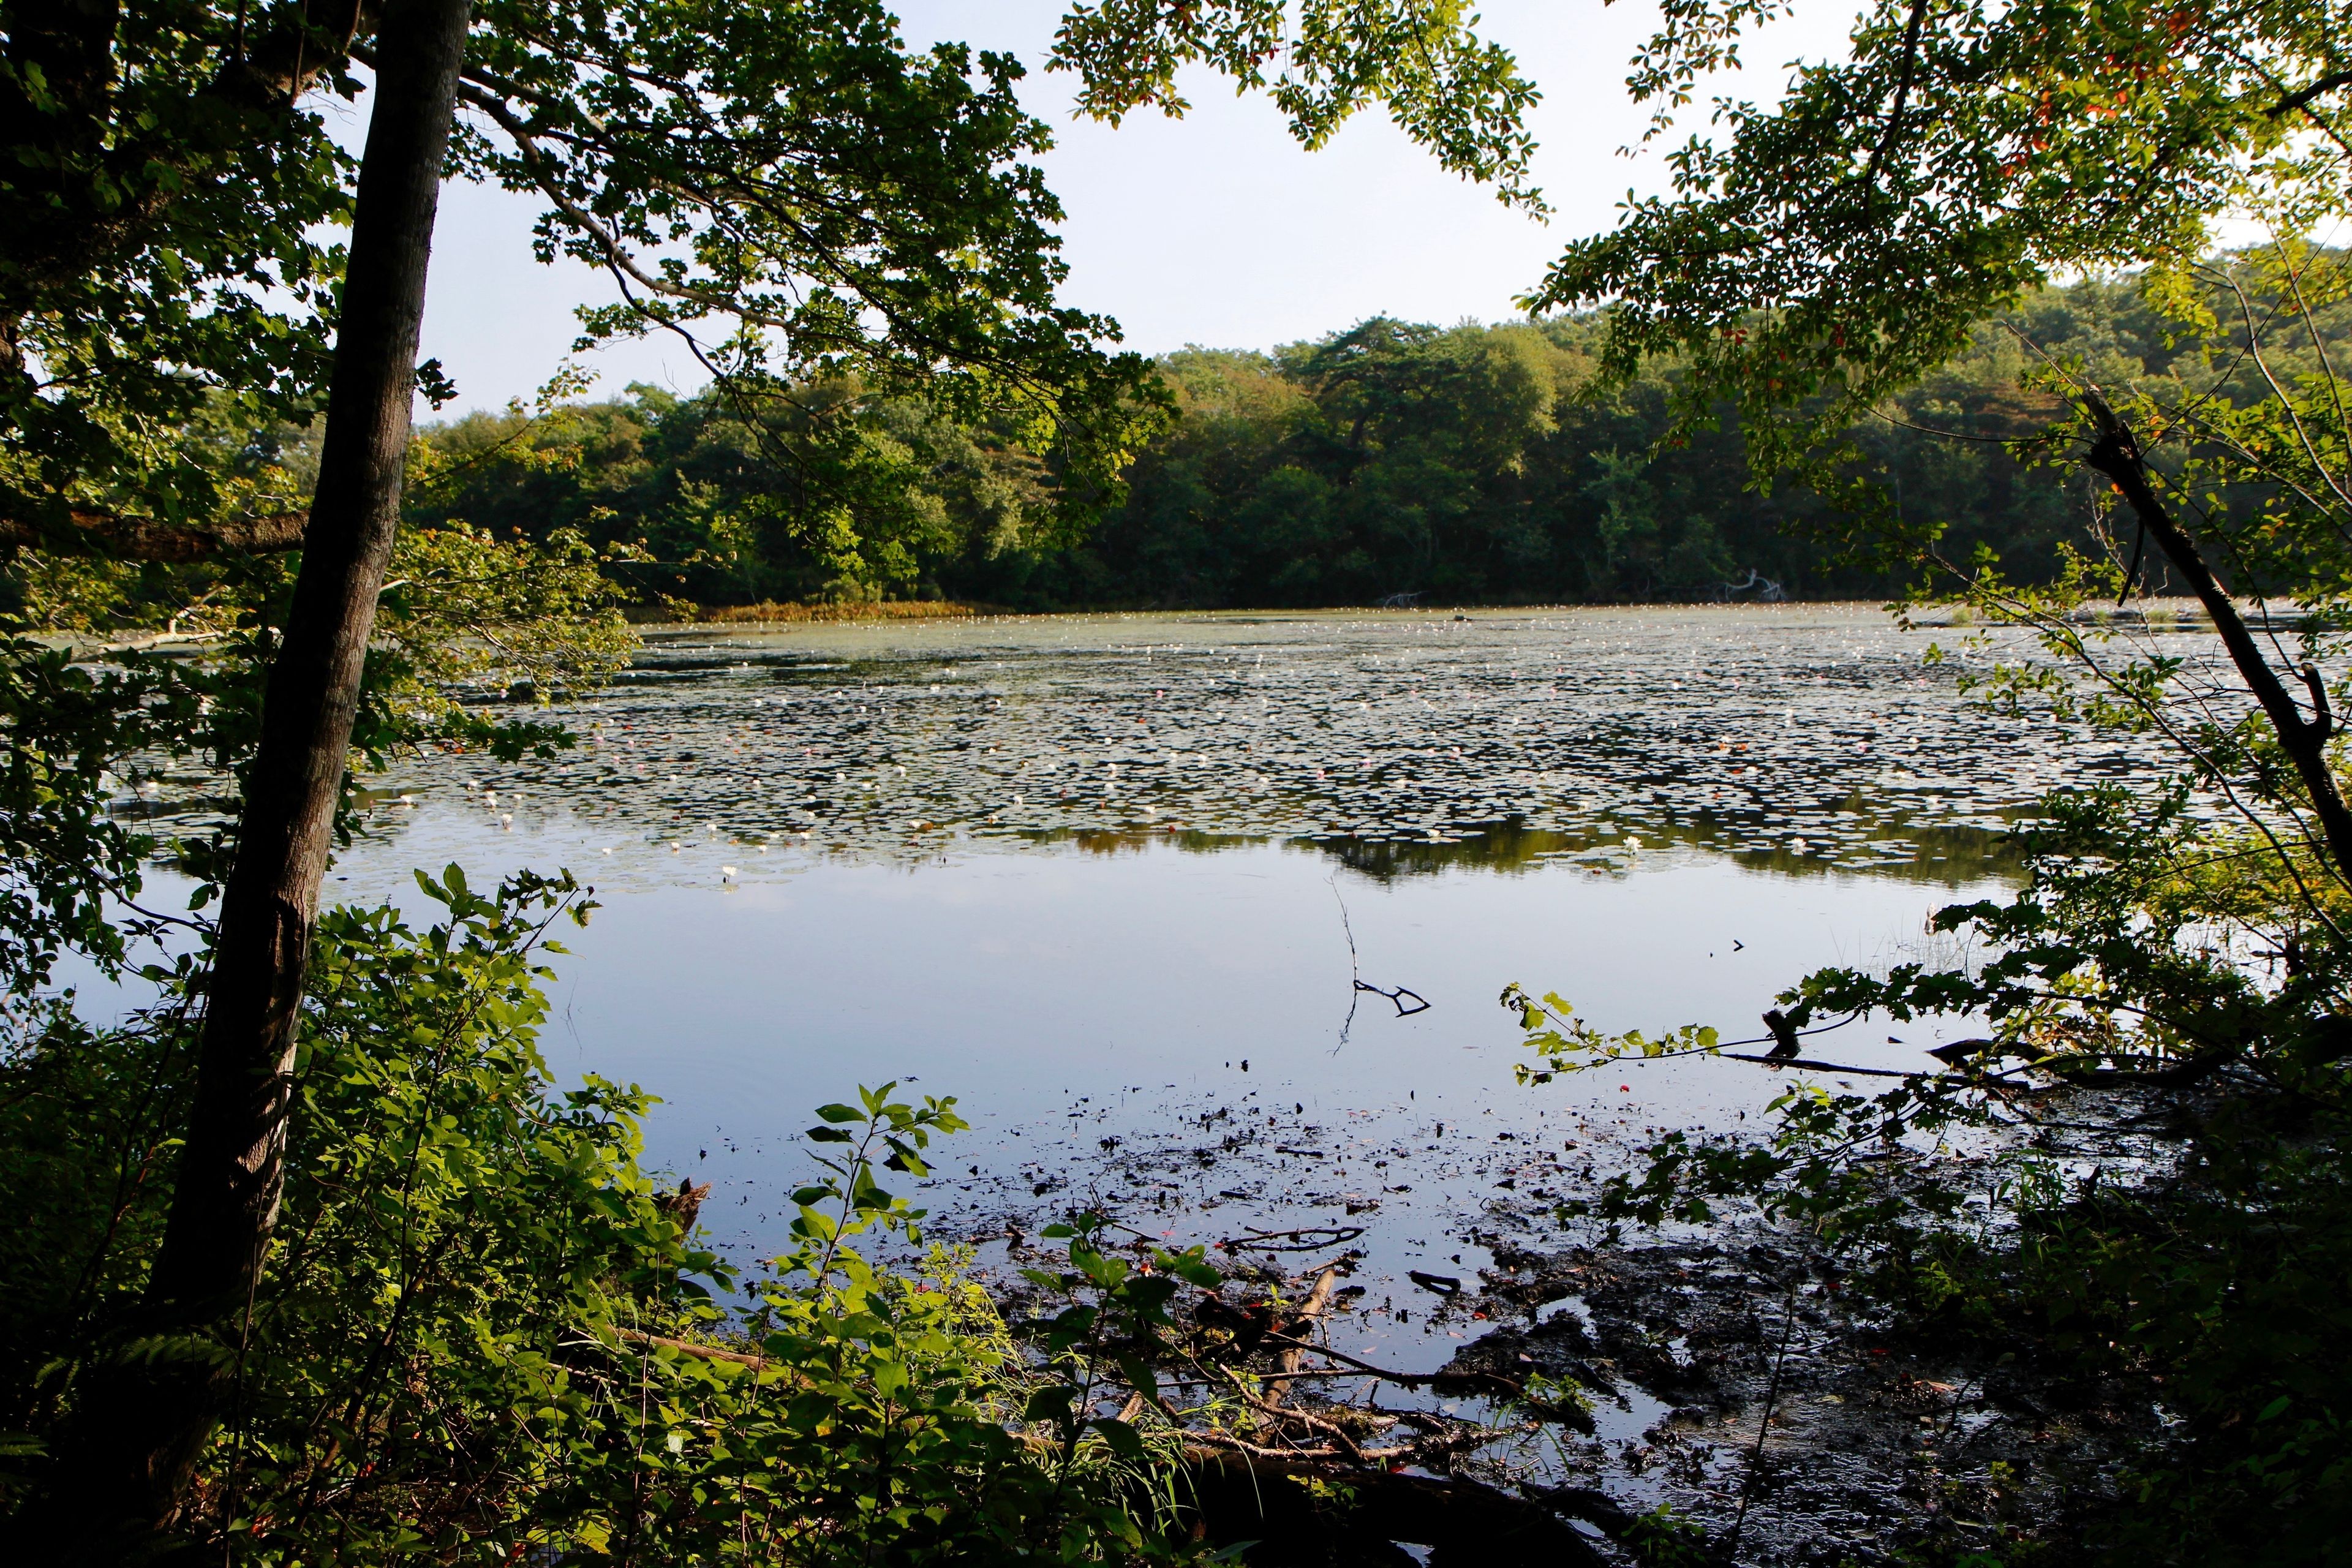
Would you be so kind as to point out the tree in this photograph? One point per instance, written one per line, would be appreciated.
(144, 1419)
(2187, 945)
(1843, 245)
(1840, 248)
(844, 209)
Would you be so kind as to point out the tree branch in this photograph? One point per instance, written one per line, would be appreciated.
(2304, 99)
(2116, 454)
(144, 539)
(1902, 90)
(606, 238)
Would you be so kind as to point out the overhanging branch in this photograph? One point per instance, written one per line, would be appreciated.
(2116, 454)
(2304, 98)
(144, 539)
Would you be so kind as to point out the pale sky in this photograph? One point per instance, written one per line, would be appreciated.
(1215, 229)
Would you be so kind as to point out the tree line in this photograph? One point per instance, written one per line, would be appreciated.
(1477, 464)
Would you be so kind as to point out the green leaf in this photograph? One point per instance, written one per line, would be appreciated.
(829, 1135)
(1140, 1376)
(840, 1113)
(1193, 1270)
(1049, 1404)
(1124, 1441)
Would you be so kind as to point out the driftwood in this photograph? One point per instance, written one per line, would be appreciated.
(1318, 1300)
(1305, 1238)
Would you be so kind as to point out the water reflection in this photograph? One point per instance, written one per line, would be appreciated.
(1112, 882)
(1927, 852)
(1078, 869)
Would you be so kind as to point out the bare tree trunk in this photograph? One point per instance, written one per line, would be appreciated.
(2118, 455)
(144, 1419)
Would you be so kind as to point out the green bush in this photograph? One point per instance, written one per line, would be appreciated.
(485, 1338)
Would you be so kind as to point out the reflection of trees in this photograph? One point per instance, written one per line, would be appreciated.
(1945, 857)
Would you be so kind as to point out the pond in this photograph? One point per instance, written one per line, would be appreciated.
(1112, 882)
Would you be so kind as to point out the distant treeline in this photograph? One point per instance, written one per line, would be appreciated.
(1470, 464)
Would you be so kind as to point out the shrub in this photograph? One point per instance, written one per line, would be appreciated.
(486, 1336)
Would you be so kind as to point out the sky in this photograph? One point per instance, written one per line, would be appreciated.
(1216, 230)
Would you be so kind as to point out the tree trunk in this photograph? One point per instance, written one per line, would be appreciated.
(2118, 455)
(143, 1419)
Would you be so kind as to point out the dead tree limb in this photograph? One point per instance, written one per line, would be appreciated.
(1318, 1300)
(2116, 454)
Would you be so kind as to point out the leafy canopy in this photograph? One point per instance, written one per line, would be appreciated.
(2180, 952)
(1843, 243)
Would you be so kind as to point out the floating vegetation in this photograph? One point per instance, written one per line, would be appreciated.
(1804, 739)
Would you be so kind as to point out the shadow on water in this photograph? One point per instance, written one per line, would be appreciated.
(1926, 853)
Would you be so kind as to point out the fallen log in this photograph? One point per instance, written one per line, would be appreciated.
(1318, 1300)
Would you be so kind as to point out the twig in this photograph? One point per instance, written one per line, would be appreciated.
(1305, 1238)
(1356, 982)
(1817, 1065)
(1317, 1299)
(1313, 1423)
(1404, 1379)
(688, 1347)
(1771, 1398)
(1397, 995)
(1258, 1451)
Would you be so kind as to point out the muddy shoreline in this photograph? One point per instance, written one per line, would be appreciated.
(1732, 1378)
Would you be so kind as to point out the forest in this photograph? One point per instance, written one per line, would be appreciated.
(1390, 461)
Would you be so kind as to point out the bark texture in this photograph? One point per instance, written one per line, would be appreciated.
(146, 1416)
(144, 539)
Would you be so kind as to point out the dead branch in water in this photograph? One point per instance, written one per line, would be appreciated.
(1356, 975)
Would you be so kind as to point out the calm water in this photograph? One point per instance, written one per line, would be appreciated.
(1089, 874)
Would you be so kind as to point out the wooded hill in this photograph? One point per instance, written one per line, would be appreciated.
(1471, 464)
